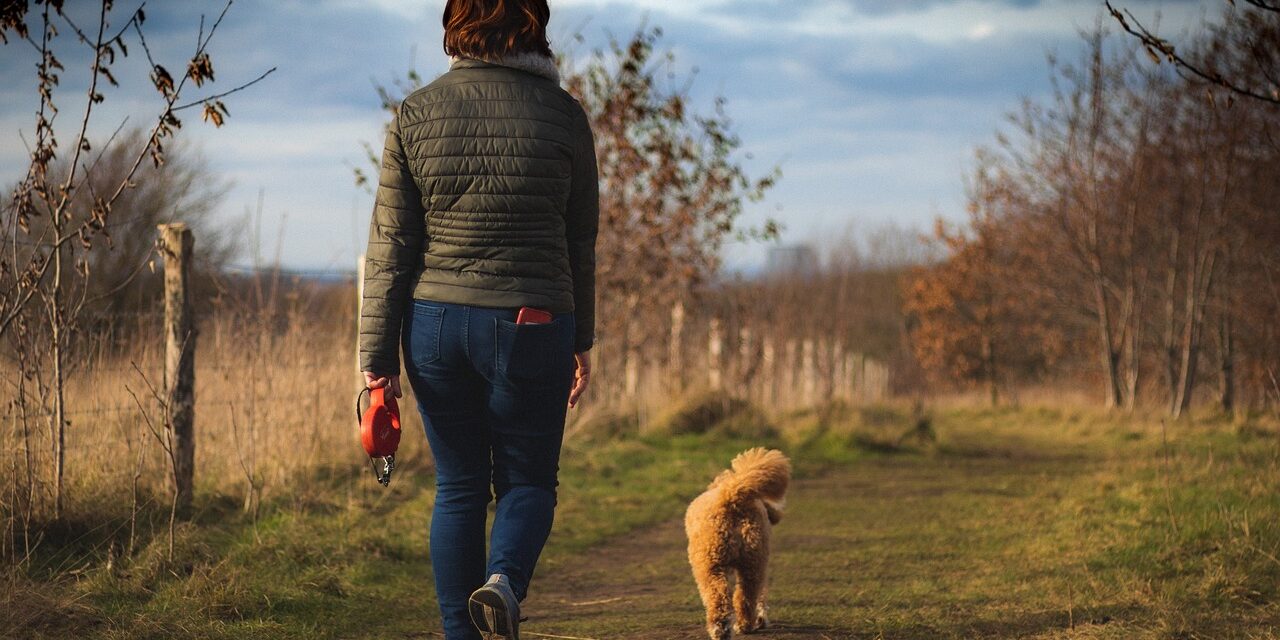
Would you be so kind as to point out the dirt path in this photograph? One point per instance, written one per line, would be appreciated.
(860, 552)
(623, 586)
(640, 586)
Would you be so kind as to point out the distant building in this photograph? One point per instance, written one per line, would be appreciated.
(796, 259)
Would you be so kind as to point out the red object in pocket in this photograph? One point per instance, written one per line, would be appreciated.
(530, 315)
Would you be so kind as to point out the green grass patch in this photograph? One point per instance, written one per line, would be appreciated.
(905, 523)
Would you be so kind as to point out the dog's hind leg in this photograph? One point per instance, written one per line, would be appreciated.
(713, 586)
(748, 600)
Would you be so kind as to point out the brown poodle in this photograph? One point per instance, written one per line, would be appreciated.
(728, 528)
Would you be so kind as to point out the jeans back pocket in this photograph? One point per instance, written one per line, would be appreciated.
(534, 352)
(422, 333)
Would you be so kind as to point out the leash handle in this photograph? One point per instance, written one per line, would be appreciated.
(359, 413)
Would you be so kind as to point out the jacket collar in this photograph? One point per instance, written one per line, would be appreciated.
(528, 61)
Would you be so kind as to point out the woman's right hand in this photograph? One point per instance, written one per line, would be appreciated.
(375, 381)
(581, 376)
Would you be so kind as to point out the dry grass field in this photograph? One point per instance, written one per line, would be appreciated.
(942, 520)
(1011, 523)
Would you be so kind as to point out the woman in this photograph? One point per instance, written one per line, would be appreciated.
(487, 202)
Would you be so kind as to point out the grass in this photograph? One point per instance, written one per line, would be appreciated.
(1011, 523)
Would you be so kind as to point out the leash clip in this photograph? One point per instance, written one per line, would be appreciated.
(388, 465)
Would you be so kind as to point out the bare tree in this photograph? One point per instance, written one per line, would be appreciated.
(41, 260)
(671, 185)
(183, 189)
(973, 317)
(1081, 179)
(1142, 222)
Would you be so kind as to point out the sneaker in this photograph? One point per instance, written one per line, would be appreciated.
(494, 608)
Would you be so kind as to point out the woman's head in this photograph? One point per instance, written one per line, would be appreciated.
(495, 28)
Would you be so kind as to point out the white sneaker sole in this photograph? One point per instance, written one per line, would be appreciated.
(491, 614)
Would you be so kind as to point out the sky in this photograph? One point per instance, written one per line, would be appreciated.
(871, 108)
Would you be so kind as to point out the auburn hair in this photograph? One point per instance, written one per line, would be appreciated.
(495, 28)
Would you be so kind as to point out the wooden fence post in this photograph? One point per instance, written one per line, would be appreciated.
(631, 370)
(715, 346)
(769, 370)
(881, 381)
(850, 381)
(862, 377)
(790, 363)
(822, 369)
(837, 369)
(675, 353)
(177, 245)
(809, 371)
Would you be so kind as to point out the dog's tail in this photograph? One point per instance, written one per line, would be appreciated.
(758, 474)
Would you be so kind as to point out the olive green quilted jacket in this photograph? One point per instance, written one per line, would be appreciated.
(487, 196)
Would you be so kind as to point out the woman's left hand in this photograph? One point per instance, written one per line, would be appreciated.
(375, 381)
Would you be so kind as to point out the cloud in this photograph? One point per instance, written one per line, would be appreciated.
(888, 7)
(404, 9)
(981, 31)
(872, 107)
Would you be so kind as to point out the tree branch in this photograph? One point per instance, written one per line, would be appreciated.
(1154, 43)
(225, 93)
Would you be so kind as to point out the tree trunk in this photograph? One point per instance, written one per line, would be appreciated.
(1131, 368)
(1171, 318)
(675, 351)
(1188, 360)
(1227, 383)
(56, 319)
(715, 346)
(1110, 361)
(1198, 286)
(988, 354)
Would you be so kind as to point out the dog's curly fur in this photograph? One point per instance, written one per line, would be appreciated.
(728, 528)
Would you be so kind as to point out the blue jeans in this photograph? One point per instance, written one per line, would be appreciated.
(493, 396)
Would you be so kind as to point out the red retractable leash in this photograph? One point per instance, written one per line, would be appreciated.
(380, 431)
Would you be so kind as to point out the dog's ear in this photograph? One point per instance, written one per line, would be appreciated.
(774, 510)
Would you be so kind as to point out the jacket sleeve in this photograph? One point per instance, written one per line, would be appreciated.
(582, 220)
(394, 254)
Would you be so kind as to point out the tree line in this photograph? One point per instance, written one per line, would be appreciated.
(1123, 232)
